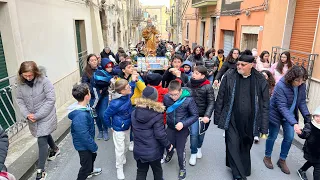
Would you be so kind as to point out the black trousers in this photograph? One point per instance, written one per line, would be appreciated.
(316, 171)
(87, 159)
(43, 142)
(178, 140)
(143, 168)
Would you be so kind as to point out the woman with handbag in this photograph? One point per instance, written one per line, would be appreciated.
(289, 95)
(203, 94)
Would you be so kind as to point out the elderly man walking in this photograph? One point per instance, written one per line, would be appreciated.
(242, 111)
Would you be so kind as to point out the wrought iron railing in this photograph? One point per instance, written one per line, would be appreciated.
(298, 58)
(82, 61)
(10, 117)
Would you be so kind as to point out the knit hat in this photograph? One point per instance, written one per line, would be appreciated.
(246, 58)
(317, 111)
(150, 93)
(154, 79)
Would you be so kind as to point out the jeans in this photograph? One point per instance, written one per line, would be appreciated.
(87, 159)
(43, 149)
(196, 140)
(143, 168)
(101, 108)
(288, 134)
(211, 79)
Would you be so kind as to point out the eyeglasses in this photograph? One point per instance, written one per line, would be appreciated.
(242, 64)
(128, 87)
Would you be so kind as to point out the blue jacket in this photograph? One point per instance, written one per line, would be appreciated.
(282, 100)
(150, 137)
(119, 110)
(187, 112)
(82, 129)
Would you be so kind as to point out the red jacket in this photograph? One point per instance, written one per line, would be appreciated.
(161, 92)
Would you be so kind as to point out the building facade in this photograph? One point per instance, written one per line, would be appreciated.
(56, 34)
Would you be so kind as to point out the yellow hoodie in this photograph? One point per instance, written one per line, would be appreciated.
(137, 93)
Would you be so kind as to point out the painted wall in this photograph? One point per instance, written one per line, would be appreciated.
(254, 19)
(274, 23)
(190, 17)
(316, 47)
(44, 31)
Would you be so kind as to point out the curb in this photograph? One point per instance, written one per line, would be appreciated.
(25, 165)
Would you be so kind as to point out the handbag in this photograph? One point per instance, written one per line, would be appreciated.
(203, 127)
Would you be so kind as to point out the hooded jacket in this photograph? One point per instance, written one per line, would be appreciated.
(282, 100)
(101, 80)
(82, 129)
(187, 63)
(187, 112)
(4, 145)
(118, 114)
(204, 98)
(150, 137)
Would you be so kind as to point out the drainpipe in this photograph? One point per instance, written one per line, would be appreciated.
(235, 32)
(197, 20)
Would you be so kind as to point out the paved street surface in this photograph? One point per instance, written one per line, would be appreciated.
(210, 167)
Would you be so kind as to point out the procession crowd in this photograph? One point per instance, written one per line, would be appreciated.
(153, 113)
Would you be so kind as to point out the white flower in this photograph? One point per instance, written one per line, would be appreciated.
(134, 53)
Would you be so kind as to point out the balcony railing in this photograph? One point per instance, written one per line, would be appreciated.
(203, 3)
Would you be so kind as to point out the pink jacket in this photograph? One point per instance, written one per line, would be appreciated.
(260, 66)
(277, 75)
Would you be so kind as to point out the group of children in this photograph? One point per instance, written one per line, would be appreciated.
(145, 108)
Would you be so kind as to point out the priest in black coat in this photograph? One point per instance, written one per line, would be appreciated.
(241, 110)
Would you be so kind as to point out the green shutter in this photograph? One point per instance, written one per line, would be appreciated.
(79, 46)
(4, 74)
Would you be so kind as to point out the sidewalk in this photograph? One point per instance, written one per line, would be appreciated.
(23, 151)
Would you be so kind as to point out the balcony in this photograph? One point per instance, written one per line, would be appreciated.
(203, 3)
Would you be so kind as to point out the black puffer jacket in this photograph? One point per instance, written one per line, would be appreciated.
(187, 112)
(4, 144)
(226, 97)
(311, 146)
(103, 54)
(150, 137)
(168, 77)
(204, 97)
(225, 67)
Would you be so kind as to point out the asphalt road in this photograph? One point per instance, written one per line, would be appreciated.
(210, 167)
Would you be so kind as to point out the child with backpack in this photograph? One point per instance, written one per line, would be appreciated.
(182, 112)
(100, 83)
(83, 131)
(150, 137)
(311, 148)
(118, 117)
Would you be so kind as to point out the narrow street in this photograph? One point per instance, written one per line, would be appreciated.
(210, 167)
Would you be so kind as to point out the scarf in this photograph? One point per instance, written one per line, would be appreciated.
(29, 83)
(244, 126)
(198, 83)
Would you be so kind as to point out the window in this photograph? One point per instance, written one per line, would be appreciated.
(114, 33)
(187, 31)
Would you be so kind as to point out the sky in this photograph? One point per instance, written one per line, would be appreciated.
(153, 2)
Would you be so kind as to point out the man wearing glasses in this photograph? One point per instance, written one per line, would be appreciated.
(241, 110)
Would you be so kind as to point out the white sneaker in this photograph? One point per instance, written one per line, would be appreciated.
(256, 139)
(131, 146)
(199, 153)
(163, 159)
(193, 159)
(120, 174)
